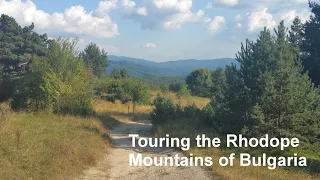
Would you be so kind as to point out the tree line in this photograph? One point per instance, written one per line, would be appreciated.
(38, 73)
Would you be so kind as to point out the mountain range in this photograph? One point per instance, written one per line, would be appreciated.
(145, 68)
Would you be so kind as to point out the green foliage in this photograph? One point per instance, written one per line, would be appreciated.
(96, 59)
(166, 110)
(116, 74)
(290, 104)
(175, 87)
(57, 82)
(164, 88)
(268, 94)
(126, 90)
(183, 92)
(311, 44)
(124, 74)
(17, 47)
(199, 82)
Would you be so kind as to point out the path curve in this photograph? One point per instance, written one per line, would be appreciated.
(115, 166)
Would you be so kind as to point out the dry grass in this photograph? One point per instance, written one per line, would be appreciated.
(184, 101)
(47, 146)
(120, 111)
(230, 173)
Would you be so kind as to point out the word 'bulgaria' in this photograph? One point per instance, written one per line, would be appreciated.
(244, 158)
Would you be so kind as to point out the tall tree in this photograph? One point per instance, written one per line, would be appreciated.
(296, 32)
(124, 74)
(116, 73)
(17, 47)
(199, 82)
(311, 44)
(290, 104)
(95, 58)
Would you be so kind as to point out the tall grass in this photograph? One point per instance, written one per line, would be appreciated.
(184, 101)
(46, 146)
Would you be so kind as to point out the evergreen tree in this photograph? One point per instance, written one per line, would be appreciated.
(95, 58)
(199, 82)
(311, 44)
(17, 47)
(296, 32)
(116, 74)
(124, 74)
(290, 103)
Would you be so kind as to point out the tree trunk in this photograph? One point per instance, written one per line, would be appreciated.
(134, 107)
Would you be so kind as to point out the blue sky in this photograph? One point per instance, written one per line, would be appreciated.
(158, 30)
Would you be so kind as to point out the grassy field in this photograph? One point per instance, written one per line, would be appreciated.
(47, 146)
(184, 101)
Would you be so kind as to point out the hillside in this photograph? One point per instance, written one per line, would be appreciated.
(144, 68)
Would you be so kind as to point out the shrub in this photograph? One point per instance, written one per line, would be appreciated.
(164, 110)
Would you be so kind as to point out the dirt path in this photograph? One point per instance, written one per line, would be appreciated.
(115, 166)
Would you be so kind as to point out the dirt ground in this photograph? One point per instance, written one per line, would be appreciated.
(115, 165)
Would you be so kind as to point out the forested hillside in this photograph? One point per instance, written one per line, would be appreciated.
(145, 68)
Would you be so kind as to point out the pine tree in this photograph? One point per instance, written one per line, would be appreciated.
(199, 82)
(296, 32)
(290, 103)
(311, 44)
(95, 58)
(17, 47)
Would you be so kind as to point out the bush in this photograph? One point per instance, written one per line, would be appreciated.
(57, 82)
(164, 110)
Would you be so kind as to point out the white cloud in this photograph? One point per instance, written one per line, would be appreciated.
(289, 16)
(177, 20)
(178, 5)
(237, 17)
(209, 5)
(239, 25)
(128, 4)
(74, 20)
(260, 19)
(149, 45)
(142, 11)
(227, 2)
(215, 24)
(302, 1)
(162, 14)
(105, 6)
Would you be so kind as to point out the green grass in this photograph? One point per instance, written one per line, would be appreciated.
(47, 146)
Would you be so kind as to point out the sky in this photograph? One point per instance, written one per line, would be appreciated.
(157, 30)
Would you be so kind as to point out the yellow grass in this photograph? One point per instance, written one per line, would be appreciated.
(47, 146)
(184, 101)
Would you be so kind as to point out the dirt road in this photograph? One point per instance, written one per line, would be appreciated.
(115, 166)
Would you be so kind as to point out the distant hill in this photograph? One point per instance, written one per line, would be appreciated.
(144, 68)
